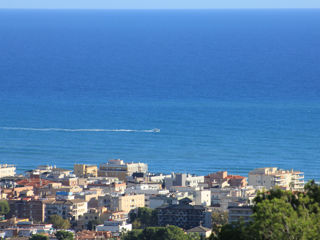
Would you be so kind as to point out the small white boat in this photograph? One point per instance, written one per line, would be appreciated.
(156, 130)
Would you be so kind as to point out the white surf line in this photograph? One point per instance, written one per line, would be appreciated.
(156, 130)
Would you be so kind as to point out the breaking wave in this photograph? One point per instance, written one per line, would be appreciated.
(78, 130)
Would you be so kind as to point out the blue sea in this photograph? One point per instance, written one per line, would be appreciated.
(229, 89)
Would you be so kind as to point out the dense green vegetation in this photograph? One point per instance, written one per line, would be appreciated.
(39, 237)
(59, 223)
(219, 219)
(145, 217)
(280, 214)
(159, 233)
(4, 207)
(64, 235)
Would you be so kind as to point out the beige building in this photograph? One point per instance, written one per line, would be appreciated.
(83, 170)
(117, 168)
(272, 176)
(68, 209)
(7, 170)
(122, 202)
(126, 203)
(201, 230)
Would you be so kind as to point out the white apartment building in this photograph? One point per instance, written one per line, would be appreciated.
(118, 168)
(202, 197)
(116, 227)
(147, 189)
(272, 176)
(7, 170)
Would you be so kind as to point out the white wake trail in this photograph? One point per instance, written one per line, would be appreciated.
(78, 130)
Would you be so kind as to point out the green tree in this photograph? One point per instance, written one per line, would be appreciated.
(218, 220)
(279, 214)
(59, 223)
(4, 207)
(135, 234)
(145, 217)
(39, 237)
(157, 233)
(195, 236)
(64, 235)
(235, 231)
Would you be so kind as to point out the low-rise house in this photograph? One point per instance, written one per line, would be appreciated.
(99, 215)
(20, 190)
(11, 222)
(222, 178)
(27, 229)
(93, 235)
(201, 230)
(34, 181)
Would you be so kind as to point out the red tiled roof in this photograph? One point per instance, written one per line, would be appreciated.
(35, 182)
(235, 177)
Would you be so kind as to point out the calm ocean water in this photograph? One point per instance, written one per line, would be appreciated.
(229, 89)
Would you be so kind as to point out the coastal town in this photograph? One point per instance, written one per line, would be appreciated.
(106, 201)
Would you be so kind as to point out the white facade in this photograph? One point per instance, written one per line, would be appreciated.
(271, 177)
(148, 189)
(116, 227)
(202, 197)
(7, 170)
(224, 197)
(194, 181)
(159, 178)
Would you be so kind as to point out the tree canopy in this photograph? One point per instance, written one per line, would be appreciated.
(39, 237)
(145, 217)
(159, 233)
(64, 235)
(4, 207)
(59, 223)
(279, 214)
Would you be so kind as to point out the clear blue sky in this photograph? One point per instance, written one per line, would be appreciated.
(159, 4)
